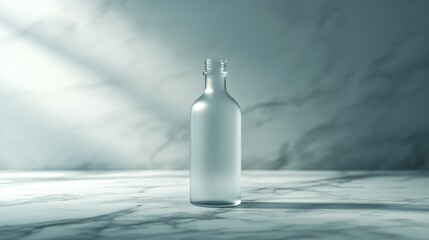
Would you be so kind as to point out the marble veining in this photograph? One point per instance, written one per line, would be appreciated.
(326, 84)
(154, 205)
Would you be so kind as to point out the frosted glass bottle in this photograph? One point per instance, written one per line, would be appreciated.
(215, 164)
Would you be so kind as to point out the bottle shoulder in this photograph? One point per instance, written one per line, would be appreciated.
(235, 101)
(214, 101)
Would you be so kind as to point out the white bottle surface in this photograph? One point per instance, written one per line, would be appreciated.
(215, 164)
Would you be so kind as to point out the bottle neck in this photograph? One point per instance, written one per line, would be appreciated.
(215, 83)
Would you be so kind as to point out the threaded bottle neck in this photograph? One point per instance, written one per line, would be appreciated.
(215, 66)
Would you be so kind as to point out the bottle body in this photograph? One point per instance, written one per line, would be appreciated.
(215, 154)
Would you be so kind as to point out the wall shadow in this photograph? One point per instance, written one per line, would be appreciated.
(332, 205)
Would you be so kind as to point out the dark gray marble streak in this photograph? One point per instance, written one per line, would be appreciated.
(154, 204)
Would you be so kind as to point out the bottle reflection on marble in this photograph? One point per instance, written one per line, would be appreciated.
(215, 164)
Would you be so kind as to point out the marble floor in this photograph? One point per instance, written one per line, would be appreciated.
(154, 205)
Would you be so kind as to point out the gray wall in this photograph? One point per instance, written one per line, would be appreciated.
(108, 84)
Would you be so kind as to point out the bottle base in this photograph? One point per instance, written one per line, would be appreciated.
(216, 204)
